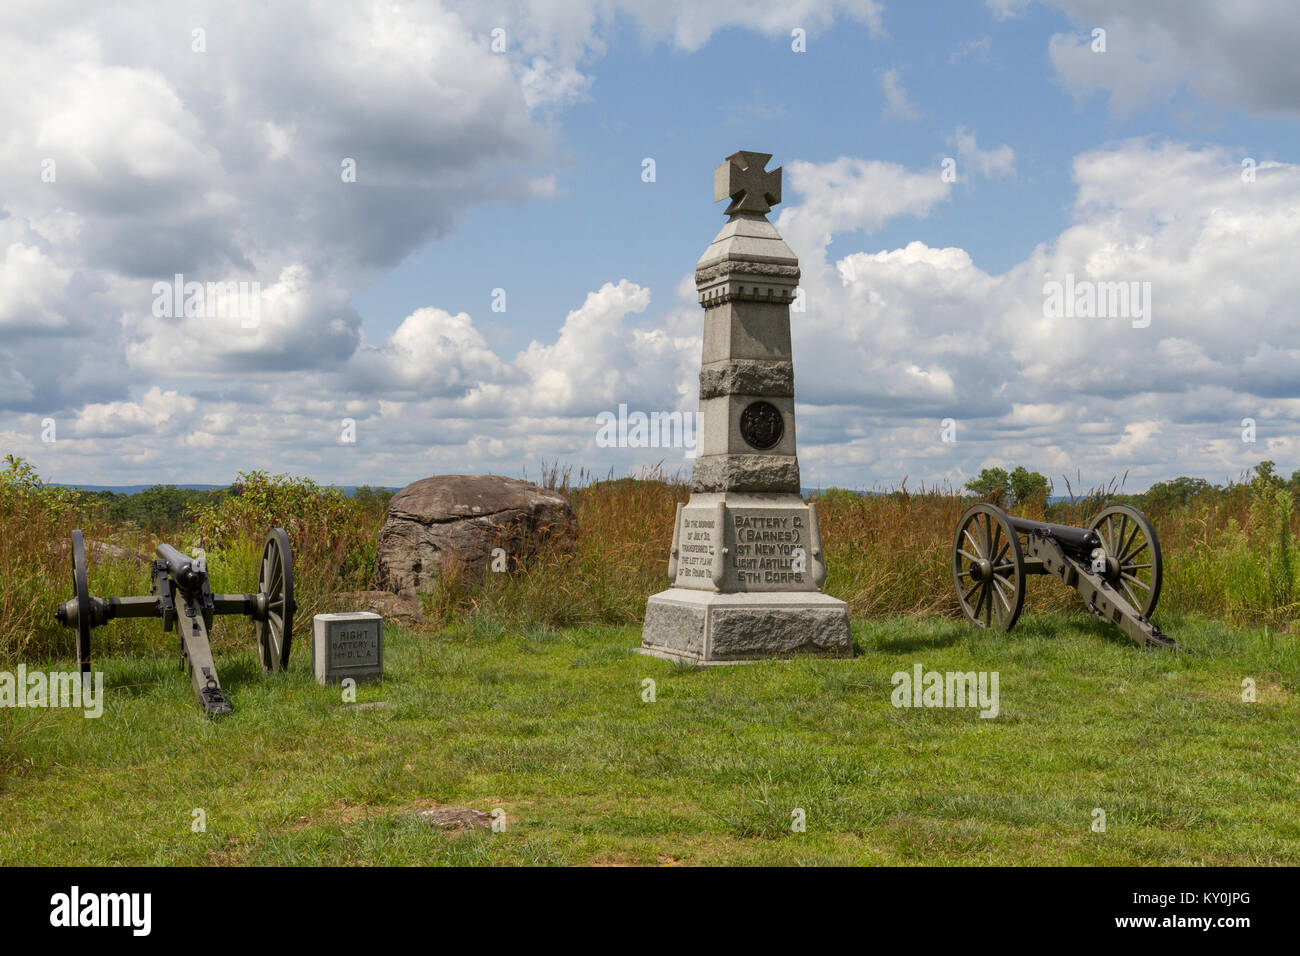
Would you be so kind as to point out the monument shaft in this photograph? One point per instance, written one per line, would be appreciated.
(746, 566)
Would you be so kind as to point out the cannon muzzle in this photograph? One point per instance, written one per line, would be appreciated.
(182, 568)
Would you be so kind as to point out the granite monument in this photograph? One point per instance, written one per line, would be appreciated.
(746, 565)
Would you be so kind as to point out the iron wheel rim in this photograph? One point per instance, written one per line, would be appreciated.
(984, 535)
(82, 591)
(275, 584)
(1128, 536)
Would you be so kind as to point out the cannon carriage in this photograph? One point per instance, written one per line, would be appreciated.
(183, 600)
(1114, 563)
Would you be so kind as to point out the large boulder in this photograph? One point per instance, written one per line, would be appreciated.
(462, 519)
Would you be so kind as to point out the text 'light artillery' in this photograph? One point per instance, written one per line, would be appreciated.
(182, 598)
(1114, 564)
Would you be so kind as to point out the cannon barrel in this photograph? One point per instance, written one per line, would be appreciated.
(1077, 540)
(181, 567)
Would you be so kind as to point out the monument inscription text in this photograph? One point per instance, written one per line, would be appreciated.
(770, 549)
(695, 550)
(767, 549)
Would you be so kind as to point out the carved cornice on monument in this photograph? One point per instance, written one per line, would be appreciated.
(740, 292)
(736, 267)
(748, 260)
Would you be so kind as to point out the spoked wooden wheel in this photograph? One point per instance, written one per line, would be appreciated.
(82, 593)
(1133, 564)
(988, 567)
(275, 602)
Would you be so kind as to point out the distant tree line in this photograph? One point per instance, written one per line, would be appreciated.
(1183, 490)
(162, 508)
(1022, 486)
(153, 509)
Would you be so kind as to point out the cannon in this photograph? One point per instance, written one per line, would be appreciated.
(184, 601)
(1114, 564)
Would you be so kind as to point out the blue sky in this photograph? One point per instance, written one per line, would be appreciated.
(646, 101)
(964, 68)
(522, 171)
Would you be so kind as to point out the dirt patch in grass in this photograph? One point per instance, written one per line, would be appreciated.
(233, 855)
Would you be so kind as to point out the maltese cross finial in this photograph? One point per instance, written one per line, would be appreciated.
(752, 191)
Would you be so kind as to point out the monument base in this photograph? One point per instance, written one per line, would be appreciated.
(710, 627)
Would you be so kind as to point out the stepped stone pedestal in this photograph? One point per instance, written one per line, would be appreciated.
(746, 564)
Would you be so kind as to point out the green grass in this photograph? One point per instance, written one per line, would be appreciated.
(550, 726)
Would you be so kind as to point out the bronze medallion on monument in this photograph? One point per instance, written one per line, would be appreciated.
(761, 425)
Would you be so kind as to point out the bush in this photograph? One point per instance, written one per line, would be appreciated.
(332, 537)
(1020, 488)
(35, 560)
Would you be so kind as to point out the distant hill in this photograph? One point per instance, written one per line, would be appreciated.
(132, 489)
(136, 489)
(351, 489)
(867, 493)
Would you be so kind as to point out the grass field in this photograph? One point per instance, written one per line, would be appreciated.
(524, 692)
(550, 725)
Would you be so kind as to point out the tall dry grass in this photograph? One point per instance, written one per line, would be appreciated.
(621, 557)
(1228, 554)
(889, 552)
(332, 536)
(36, 526)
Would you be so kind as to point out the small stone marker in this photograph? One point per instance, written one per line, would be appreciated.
(347, 645)
(746, 567)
